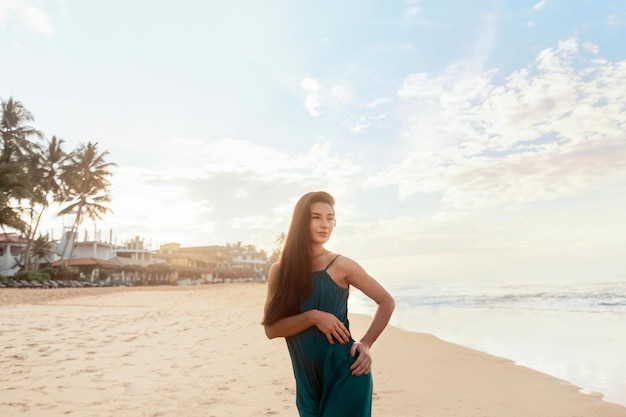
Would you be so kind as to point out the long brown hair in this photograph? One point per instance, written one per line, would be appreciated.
(292, 283)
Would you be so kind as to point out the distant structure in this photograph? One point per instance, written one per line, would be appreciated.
(12, 248)
(135, 263)
(227, 263)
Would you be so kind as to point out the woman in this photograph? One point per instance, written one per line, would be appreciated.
(307, 304)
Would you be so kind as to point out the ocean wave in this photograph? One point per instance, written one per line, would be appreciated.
(589, 297)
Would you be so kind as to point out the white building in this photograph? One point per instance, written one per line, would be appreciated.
(12, 248)
(248, 258)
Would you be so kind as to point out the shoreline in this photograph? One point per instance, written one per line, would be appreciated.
(199, 350)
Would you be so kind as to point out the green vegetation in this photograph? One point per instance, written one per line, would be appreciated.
(36, 173)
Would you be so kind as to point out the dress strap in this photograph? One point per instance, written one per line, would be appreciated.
(331, 262)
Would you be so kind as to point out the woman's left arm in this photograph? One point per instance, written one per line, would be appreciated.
(355, 275)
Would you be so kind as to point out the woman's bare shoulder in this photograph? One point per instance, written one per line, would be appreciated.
(345, 262)
(346, 269)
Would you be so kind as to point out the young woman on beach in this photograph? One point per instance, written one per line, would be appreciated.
(307, 298)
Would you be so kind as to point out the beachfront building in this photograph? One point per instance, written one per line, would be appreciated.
(92, 268)
(132, 262)
(212, 255)
(135, 250)
(248, 258)
(101, 260)
(87, 255)
(133, 266)
(93, 249)
(138, 264)
(224, 263)
(12, 247)
(197, 264)
(90, 258)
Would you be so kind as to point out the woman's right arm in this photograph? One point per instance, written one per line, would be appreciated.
(326, 322)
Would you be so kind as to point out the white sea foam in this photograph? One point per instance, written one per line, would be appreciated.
(575, 332)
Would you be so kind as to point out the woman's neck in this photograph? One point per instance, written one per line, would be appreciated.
(318, 250)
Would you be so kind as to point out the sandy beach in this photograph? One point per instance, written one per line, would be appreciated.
(200, 351)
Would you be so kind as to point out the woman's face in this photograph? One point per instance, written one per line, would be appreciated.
(322, 222)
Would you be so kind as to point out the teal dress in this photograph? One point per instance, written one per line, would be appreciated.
(325, 386)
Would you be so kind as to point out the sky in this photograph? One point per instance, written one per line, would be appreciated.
(468, 141)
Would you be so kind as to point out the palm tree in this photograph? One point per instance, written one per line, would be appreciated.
(15, 150)
(87, 179)
(45, 170)
(42, 249)
(14, 131)
(280, 239)
(13, 186)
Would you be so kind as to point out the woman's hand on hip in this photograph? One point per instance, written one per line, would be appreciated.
(363, 363)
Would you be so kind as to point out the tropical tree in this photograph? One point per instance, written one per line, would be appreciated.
(45, 168)
(14, 186)
(14, 131)
(15, 148)
(41, 249)
(87, 179)
(280, 241)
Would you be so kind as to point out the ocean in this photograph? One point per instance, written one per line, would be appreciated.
(575, 332)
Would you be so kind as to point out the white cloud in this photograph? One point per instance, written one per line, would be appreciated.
(591, 47)
(540, 5)
(553, 129)
(359, 127)
(244, 157)
(31, 17)
(616, 20)
(340, 92)
(222, 197)
(364, 122)
(309, 85)
(6, 6)
(553, 60)
(377, 102)
(411, 7)
(313, 101)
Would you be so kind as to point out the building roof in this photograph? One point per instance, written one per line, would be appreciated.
(12, 238)
(191, 256)
(85, 262)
